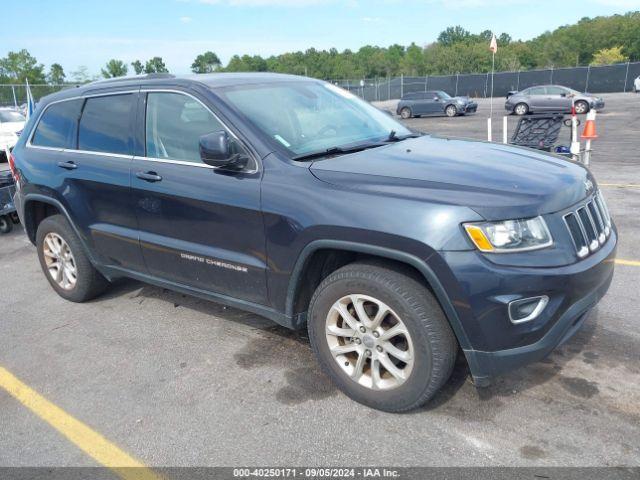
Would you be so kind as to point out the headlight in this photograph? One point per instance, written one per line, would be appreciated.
(509, 235)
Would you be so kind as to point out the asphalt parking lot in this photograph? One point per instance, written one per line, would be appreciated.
(177, 381)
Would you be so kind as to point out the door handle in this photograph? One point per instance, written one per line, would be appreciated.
(149, 176)
(68, 165)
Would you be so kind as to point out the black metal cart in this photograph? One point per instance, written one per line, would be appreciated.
(8, 215)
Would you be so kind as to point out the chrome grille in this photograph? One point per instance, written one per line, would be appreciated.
(589, 225)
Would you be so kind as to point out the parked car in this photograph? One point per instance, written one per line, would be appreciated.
(551, 98)
(636, 84)
(434, 102)
(291, 198)
(11, 125)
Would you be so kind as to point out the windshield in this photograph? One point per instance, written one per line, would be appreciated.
(306, 117)
(444, 95)
(10, 116)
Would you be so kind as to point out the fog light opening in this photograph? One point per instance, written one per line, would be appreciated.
(527, 309)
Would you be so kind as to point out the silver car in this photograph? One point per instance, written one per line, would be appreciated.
(551, 98)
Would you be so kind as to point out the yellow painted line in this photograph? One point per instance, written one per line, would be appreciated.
(620, 185)
(631, 263)
(92, 443)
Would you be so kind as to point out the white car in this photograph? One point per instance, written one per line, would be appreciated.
(636, 84)
(11, 125)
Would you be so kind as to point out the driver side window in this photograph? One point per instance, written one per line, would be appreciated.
(174, 125)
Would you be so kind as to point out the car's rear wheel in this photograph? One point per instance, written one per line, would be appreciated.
(381, 336)
(65, 263)
(521, 109)
(406, 113)
(6, 225)
(451, 111)
(581, 107)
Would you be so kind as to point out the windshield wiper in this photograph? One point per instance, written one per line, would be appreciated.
(392, 137)
(336, 151)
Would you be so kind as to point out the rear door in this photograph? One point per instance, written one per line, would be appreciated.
(92, 178)
(538, 98)
(199, 226)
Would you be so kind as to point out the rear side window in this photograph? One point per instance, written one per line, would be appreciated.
(105, 126)
(537, 91)
(57, 125)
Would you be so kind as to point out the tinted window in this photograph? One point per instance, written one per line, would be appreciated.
(57, 125)
(104, 126)
(412, 96)
(556, 91)
(175, 123)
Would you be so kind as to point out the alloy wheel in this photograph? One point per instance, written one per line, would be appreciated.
(59, 260)
(581, 107)
(521, 109)
(369, 342)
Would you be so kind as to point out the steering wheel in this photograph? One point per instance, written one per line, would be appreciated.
(326, 129)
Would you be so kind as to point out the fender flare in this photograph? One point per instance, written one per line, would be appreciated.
(403, 257)
(31, 197)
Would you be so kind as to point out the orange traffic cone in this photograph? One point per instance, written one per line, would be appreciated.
(589, 132)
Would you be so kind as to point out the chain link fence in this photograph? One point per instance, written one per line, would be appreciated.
(15, 95)
(601, 79)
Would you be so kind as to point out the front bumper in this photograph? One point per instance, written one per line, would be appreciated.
(495, 345)
(598, 105)
(471, 107)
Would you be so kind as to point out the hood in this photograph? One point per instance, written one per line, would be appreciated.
(464, 99)
(497, 181)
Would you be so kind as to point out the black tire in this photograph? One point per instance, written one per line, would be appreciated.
(6, 225)
(451, 111)
(584, 107)
(89, 282)
(406, 113)
(521, 109)
(434, 344)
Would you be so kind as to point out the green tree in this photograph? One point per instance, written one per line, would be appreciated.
(206, 63)
(607, 56)
(56, 74)
(452, 35)
(155, 65)
(20, 66)
(82, 75)
(114, 68)
(137, 67)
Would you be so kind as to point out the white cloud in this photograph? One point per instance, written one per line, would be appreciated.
(185, 19)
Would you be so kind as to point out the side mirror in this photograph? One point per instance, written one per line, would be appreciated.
(216, 149)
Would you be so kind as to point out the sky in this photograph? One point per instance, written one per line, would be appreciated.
(89, 33)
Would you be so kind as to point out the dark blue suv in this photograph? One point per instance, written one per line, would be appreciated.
(291, 198)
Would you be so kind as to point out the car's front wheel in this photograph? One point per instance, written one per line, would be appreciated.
(406, 113)
(451, 111)
(581, 107)
(65, 263)
(521, 109)
(381, 336)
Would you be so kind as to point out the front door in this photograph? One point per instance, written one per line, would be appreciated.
(558, 99)
(199, 226)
